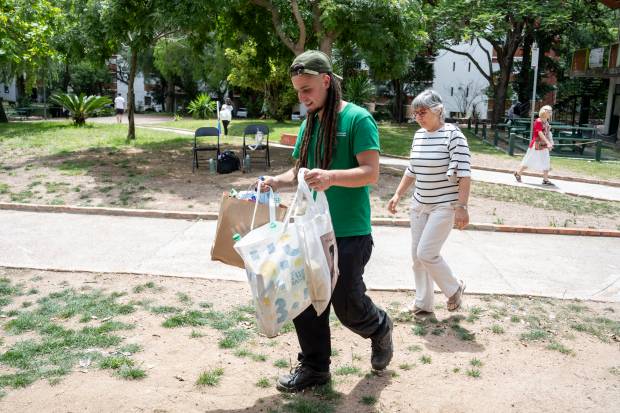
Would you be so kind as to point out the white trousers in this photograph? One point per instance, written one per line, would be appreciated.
(430, 227)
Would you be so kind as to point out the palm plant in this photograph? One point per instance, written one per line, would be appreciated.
(359, 89)
(80, 106)
(202, 107)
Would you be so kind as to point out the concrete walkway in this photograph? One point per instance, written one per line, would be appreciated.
(489, 262)
(605, 192)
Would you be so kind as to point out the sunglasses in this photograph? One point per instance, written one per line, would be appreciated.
(421, 113)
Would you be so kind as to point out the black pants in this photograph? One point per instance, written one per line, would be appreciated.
(225, 122)
(353, 307)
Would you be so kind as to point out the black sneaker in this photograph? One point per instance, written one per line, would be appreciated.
(382, 348)
(301, 378)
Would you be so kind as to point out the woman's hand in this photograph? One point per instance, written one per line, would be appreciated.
(461, 219)
(550, 147)
(393, 204)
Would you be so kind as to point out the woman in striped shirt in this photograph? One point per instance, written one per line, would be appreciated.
(440, 167)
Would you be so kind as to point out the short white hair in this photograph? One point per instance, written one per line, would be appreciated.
(544, 110)
(429, 99)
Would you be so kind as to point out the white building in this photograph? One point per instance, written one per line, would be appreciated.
(453, 70)
(9, 92)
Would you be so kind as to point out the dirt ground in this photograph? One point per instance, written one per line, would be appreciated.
(162, 179)
(515, 374)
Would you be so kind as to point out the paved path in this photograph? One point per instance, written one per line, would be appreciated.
(595, 190)
(490, 262)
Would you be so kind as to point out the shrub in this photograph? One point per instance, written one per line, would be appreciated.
(80, 106)
(202, 107)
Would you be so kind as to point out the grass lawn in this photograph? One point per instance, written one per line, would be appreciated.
(61, 137)
(396, 140)
(237, 126)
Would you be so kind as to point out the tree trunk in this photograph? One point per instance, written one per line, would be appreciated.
(499, 99)
(131, 132)
(3, 118)
(21, 85)
(326, 44)
(65, 80)
(524, 74)
(398, 107)
(170, 96)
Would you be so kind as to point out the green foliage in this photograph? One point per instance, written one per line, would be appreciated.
(202, 107)
(27, 32)
(345, 370)
(281, 363)
(497, 329)
(210, 377)
(164, 309)
(358, 89)
(475, 362)
(131, 373)
(463, 333)
(370, 400)
(307, 405)
(193, 318)
(272, 80)
(287, 328)
(263, 382)
(259, 357)
(185, 299)
(80, 106)
(473, 373)
(233, 338)
(242, 352)
(116, 361)
(504, 24)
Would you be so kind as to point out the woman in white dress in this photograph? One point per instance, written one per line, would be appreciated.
(537, 156)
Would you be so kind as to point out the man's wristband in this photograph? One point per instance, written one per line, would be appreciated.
(462, 207)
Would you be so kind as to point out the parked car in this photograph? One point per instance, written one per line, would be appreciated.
(296, 116)
(242, 113)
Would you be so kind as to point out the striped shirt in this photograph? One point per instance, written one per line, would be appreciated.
(433, 159)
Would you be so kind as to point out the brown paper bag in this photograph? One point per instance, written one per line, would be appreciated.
(236, 218)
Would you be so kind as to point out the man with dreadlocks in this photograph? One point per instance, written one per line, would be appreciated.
(339, 143)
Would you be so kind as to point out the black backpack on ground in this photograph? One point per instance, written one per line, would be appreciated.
(228, 163)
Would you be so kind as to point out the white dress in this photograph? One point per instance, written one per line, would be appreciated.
(538, 160)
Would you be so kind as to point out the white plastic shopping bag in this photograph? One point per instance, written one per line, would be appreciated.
(275, 270)
(319, 249)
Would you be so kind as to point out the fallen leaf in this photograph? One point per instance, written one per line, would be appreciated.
(179, 378)
(106, 319)
(150, 366)
(156, 335)
(84, 371)
(93, 317)
(126, 354)
(84, 363)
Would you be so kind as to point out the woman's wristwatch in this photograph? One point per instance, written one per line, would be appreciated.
(462, 207)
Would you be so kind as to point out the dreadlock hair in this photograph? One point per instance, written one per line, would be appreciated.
(326, 136)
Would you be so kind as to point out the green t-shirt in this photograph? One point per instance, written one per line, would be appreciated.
(357, 132)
